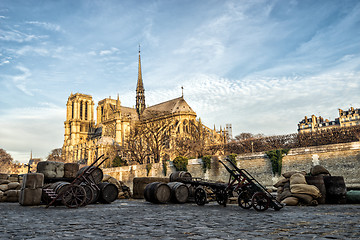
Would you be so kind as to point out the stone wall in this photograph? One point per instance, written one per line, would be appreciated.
(339, 159)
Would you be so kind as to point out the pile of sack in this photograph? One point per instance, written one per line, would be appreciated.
(300, 188)
(10, 186)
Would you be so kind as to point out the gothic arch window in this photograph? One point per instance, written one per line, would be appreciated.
(81, 110)
(86, 111)
(72, 109)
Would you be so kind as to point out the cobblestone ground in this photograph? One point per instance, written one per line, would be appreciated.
(137, 219)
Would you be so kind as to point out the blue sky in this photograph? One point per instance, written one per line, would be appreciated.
(259, 65)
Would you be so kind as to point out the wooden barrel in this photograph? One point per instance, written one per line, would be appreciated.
(318, 181)
(179, 192)
(180, 176)
(157, 192)
(335, 189)
(108, 192)
(58, 187)
(95, 175)
(353, 196)
(139, 184)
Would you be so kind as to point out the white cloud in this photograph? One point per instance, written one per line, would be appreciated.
(17, 36)
(46, 25)
(20, 80)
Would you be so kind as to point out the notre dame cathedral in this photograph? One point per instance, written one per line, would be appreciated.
(139, 135)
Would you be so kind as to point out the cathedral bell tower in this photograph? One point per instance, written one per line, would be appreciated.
(140, 91)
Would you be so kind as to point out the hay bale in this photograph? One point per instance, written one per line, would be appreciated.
(70, 170)
(306, 189)
(290, 201)
(47, 168)
(281, 182)
(297, 178)
(59, 169)
(318, 169)
(140, 183)
(30, 197)
(33, 180)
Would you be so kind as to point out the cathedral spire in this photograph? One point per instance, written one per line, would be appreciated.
(140, 91)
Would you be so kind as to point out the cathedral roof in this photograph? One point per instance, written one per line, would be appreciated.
(177, 105)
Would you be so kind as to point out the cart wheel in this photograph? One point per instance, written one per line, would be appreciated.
(200, 196)
(260, 201)
(89, 194)
(74, 196)
(222, 197)
(244, 199)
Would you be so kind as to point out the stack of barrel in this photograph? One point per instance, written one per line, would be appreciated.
(57, 176)
(175, 191)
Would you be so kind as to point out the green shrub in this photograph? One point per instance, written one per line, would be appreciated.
(232, 158)
(148, 168)
(118, 162)
(276, 157)
(206, 162)
(180, 163)
(164, 165)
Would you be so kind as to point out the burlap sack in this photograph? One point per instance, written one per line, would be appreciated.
(318, 169)
(290, 201)
(306, 189)
(283, 195)
(304, 198)
(3, 176)
(297, 178)
(13, 185)
(4, 187)
(289, 174)
(4, 181)
(281, 182)
(106, 177)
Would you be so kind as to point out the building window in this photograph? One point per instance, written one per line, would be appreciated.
(86, 111)
(81, 109)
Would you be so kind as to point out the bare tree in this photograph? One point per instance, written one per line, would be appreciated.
(137, 145)
(55, 155)
(6, 161)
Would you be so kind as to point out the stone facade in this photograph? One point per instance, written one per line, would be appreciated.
(347, 118)
(85, 139)
(339, 159)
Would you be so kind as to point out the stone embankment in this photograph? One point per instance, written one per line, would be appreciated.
(338, 159)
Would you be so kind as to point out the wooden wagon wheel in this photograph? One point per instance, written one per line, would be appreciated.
(260, 201)
(221, 197)
(244, 199)
(89, 194)
(74, 196)
(200, 196)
